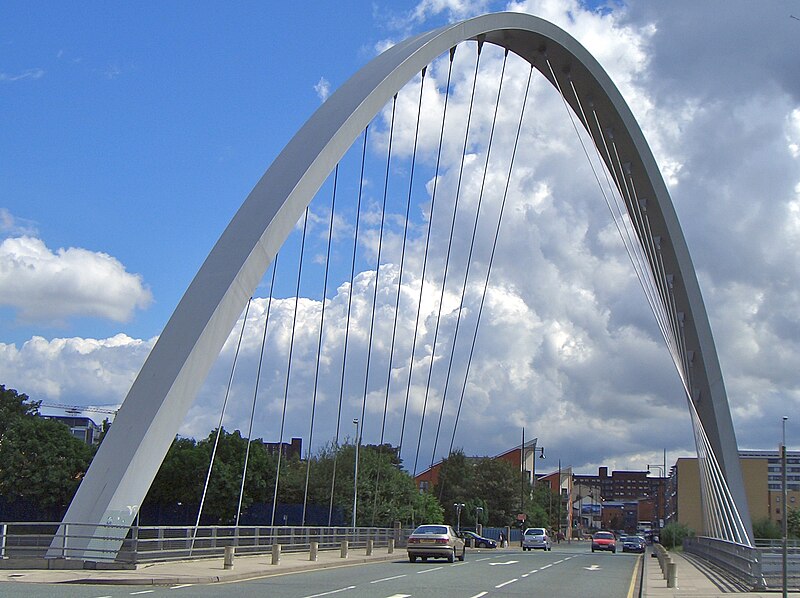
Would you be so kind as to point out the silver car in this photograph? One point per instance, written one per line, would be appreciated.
(536, 537)
(435, 541)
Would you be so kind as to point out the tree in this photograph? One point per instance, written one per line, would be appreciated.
(497, 484)
(765, 528)
(673, 534)
(14, 406)
(793, 522)
(42, 462)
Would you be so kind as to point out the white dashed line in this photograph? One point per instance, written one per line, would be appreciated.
(546, 566)
(331, 592)
(505, 583)
(484, 559)
(429, 570)
(183, 585)
(388, 578)
(479, 595)
(142, 592)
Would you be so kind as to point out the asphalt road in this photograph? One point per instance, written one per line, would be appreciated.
(566, 571)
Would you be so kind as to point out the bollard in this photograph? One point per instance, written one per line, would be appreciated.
(672, 575)
(276, 554)
(370, 546)
(343, 553)
(227, 562)
(391, 545)
(312, 556)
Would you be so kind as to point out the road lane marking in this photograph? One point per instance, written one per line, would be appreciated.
(399, 596)
(534, 571)
(429, 570)
(524, 575)
(479, 595)
(505, 583)
(183, 585)
(331, 592)
(557, 562)
(486, 558)
(388, 578)
(506, 563)
(593, 568)
(142, 592)
(546, 566)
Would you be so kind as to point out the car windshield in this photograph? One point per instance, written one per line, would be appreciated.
(535, 531)
(604, 535)
(431, 529)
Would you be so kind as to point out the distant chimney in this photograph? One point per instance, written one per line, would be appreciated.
(604, 472)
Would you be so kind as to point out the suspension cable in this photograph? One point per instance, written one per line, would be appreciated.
(378, 267)
(469, 257)
(427, 244)
(319, 343)
(449, 249)
(491, 258)
(255, 390)
(347, 324)
(219, 425)
(289, 366)
(399, 286)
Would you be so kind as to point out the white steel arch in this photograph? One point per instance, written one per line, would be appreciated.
(131, 453)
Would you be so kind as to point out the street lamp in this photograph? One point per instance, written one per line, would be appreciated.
(658, 494)
(458, 506)
(355, 474)
(785, 518)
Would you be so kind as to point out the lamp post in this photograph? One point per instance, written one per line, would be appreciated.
(478, 511)
(658, 494)
(458, 506)
(355, 474)
(785, 518)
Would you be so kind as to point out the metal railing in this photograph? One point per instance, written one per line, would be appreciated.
(760, 567)
(149, 544)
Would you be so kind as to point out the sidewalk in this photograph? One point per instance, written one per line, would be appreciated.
(202, 571)
(692, 581)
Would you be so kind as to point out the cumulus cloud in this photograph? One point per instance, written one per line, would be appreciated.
(567, 346)
(323, 88)
(43, 285)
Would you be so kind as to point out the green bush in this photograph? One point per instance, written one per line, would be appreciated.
(765, 529)
(673, 534)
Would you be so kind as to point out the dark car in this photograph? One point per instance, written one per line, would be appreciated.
(604, 541)
(478, 541)
(435, 541)
(632, 543)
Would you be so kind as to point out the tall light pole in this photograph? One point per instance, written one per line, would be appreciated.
(658, 494)
(785, 519)
(355, 474)
(458, 506)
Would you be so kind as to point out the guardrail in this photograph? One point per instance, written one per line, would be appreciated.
(761, 568)
(149, 544)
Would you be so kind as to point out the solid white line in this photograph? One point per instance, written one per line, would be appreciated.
(479, 595)
(429, 570)
(183, 585)
(331, 592)
(505, 583)
(388, 578)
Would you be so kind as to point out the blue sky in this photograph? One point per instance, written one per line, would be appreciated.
(133, 132)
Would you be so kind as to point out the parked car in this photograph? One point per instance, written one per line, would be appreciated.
(536, 537)
(604, 541)
(632, 543)
(478, 541)
(435, 541)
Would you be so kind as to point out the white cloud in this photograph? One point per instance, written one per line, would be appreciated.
(27, 74)
(323, 88)
(42, 285)
(567, 345)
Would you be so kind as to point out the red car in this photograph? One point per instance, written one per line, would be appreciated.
(604, 541)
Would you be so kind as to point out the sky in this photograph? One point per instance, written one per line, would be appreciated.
(132, 134)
